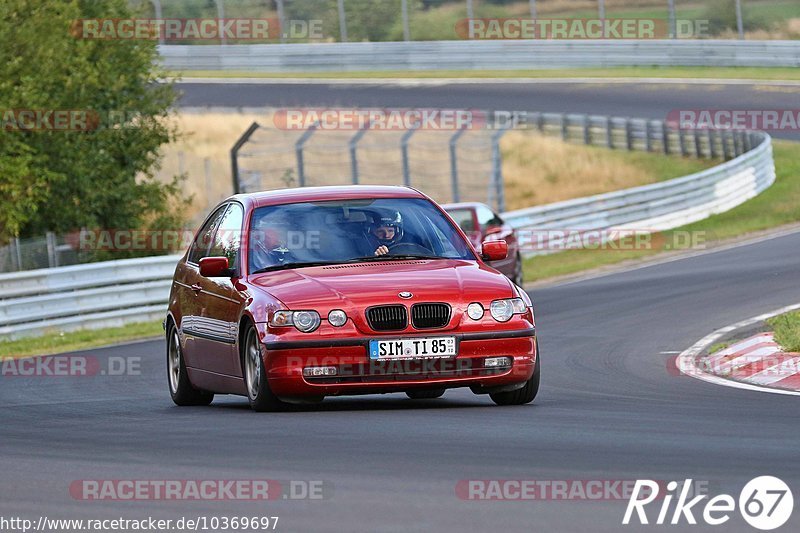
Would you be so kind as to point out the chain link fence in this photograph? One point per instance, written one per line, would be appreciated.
(450, 166)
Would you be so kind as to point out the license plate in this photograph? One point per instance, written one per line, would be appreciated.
(429, 347)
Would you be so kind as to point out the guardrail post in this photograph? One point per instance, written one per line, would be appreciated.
(587, 131)
(406, 30)
(159, 16)
(665, 136)
(673, 29)
(497, 171)
(565, 127)
(281, 19)
(739, 21)
(221, 15)
(712, 150)
(235, 156)
(698, 149)
(353, 152)
(540, 121)
(52, 256)
(628, 134)
(342, 21)
(739, 143)
(298, 150)
(610, 132)
(682, 141)
(470, 16)
(454, 163)
(724, 138)
(404, 154)
(17, 252)
(647, 138)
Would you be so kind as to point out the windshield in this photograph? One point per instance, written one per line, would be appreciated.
(283, 236)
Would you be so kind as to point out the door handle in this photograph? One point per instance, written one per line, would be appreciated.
(196, 288)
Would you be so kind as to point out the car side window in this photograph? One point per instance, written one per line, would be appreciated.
(228, 237)
(464, 219)
(202, 241)
(488, 218)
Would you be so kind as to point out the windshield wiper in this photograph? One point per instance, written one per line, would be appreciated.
(386, 257)
(389, 257)
(287, 266)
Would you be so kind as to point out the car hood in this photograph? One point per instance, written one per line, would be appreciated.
(370, 283)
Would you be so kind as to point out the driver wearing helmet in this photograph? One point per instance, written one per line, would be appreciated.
(386, 230)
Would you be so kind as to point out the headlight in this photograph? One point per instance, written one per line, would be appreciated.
(305, 321)
(475, 311)
(337, 318)
(503, 310)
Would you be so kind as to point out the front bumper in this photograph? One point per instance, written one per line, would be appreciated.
(357, 374)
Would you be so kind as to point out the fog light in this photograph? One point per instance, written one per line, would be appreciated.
(337, 318)
(475, 311)
(317, 371)
(496, 362)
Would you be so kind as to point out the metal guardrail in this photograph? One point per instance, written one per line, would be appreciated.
(659, 206)
(95, 295)
(487, 55)
(90, 296)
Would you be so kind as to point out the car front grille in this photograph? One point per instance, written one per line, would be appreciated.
(387, 317)
(428, 316)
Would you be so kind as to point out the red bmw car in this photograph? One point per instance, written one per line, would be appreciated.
(293, 295)
(480, 223)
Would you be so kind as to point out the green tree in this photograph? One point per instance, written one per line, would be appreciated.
(102, 178)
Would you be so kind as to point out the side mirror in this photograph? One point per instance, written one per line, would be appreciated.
(214, 267)
(495, 250)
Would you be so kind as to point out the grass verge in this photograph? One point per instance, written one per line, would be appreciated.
(753, 73)
(778, 205)
(78, 340)
(787, 330)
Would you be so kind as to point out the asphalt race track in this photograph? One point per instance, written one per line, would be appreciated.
(608, 409)
(640, 100)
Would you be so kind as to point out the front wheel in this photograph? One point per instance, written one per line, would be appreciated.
(180, 388)
(520, 396)
(255, 378)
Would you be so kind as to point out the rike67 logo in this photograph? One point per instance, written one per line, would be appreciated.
(765, 503)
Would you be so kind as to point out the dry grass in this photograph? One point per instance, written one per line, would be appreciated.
(537, 169)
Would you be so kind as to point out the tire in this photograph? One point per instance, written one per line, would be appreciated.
(180, 388)
(255, 378)
(519, 275)
(425, 394)
(521, 396)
